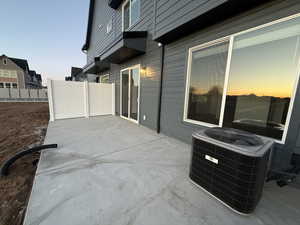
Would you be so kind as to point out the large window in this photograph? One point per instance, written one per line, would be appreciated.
(247, 83)
(206, 82)
(131, 13)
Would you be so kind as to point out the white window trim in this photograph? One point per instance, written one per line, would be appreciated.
(230, 49)
(130, 24)
(123, 6)
(138, 117)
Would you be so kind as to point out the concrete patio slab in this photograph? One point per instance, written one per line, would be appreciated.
(109, 171)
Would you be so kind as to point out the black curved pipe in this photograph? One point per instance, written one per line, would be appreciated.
(9, 162)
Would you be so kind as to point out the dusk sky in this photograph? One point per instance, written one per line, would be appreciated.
(49, 34)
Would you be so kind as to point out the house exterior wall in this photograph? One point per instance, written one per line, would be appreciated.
(160, 16)
(149, 81)
(100, 39)
(12, 66)
(171, 14)
(175, 70)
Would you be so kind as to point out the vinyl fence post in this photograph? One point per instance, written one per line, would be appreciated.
(9, 93)
(86, 99)
(50, 99)
(113, 94)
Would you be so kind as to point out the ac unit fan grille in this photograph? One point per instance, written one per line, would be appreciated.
(236, 179)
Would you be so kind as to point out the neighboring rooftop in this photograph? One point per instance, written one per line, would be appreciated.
(22, 63)
(39, 77)
(32, 73)
(75, 71)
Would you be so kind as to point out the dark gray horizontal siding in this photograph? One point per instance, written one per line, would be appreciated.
(118, 21)
(149, 83)
(172, 13)
(103, 13)
(175, 69)
(151, 61)
(99, 38)
(177, 8)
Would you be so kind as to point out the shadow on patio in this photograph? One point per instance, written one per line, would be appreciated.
(110, 171)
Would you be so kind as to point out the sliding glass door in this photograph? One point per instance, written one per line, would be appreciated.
(124, 93)
(130, 79)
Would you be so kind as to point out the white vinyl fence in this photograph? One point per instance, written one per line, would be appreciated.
(23, 95)
(70, 99)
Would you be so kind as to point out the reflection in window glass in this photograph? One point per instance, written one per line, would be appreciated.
(262, 75)
(135, 11)
(125, 90)
(14, 85)
(126, 16)
(7, 85)
(206, 83)
(131, 13)
(1, 85)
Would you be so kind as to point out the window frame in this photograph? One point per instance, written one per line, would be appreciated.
(101, 76)
(4, 61)
(130, 24)
(137, 66)
(188, 78)
(226, 78)
(6, 83)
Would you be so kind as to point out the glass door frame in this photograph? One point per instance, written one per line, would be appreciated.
(129, 91)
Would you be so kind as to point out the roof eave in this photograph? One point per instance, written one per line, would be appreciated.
(86, 45)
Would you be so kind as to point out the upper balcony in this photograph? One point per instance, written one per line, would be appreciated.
(118, 25)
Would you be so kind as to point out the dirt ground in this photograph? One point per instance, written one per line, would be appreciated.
(22, 125)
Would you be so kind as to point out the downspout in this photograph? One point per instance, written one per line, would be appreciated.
(162, 59)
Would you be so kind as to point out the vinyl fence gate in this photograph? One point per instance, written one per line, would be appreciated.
(70, 99)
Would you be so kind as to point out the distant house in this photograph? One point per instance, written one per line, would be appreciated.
(35, 80)
(15, 73)
(76, 75)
